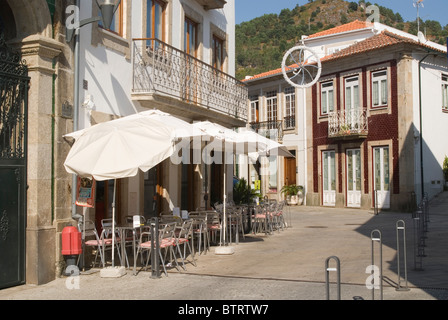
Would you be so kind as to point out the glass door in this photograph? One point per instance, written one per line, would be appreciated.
(351, 102)
(381, 177)
(329, 178)
(190, 72)
(353, 172)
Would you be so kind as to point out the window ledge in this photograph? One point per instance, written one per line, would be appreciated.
(111, 41)
(379, 107)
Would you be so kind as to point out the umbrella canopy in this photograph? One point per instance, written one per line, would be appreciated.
(246, 142)
(266, 146)
(234, 142)
(120, 148)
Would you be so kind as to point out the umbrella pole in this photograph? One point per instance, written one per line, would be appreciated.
(224, 202)
(113, 272)
(84, 212)
(113, 222)
(225, 250)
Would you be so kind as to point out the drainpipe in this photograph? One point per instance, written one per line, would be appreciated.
(421, 122)
(76, 216)
(53, 115)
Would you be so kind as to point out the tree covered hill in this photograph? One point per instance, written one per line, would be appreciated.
(262, 42)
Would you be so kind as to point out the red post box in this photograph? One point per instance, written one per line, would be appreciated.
(71, 241)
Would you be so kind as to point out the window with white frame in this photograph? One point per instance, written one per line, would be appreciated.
(379, 89)
(444, 92)
(327, 98)
(254, 107)
(352, 93)
(290, 108)
(271, 104)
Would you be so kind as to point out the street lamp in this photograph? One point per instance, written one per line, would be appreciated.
(107, 9)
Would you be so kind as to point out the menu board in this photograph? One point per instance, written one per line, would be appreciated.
(85, 196)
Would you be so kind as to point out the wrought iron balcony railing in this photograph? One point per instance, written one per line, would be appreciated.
(159, 68)
(348, 124)
(270, 129)
(289, 122)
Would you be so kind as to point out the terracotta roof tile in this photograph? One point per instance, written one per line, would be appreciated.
(379, 41)
(355, 25)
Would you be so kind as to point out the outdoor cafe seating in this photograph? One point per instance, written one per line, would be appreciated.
(181, 234)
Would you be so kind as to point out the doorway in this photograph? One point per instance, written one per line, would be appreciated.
(103, 202)
(381, 177)
(152, 192)
(14, 85)
(328, 178)
(353, 173)
(290, 169)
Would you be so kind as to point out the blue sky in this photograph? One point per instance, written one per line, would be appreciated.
(246, 10)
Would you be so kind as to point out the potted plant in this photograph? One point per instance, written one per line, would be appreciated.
(445, 171)
(344, 129)
(243, 193)
(293, 193)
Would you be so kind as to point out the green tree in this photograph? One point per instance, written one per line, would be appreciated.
(353, 6)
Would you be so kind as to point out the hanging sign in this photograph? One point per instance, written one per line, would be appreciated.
(85, 196)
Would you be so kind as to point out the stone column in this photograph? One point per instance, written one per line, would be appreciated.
(39, 53)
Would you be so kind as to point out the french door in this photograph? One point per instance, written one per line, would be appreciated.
(190, 93)
(352, 106)
(353, 172)
(381, 177)
(328, 178)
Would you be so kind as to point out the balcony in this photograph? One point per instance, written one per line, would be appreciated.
(348, 124)
(212, 4)
(173, 81)
(269, 129)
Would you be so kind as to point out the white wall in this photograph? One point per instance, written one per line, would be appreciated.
(434, 122)
(109, 73)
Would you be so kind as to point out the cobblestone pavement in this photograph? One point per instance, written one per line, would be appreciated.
(288, 264)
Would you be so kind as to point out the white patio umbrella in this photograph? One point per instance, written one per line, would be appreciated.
(120, 148)
(266, 146)
(247, 142)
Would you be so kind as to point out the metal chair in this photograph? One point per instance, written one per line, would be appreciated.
(166, 242)
(214, 225)
(184, 235)
(107, 233)
(100, 243)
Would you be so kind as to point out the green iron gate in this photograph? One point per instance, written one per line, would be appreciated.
(14, 84)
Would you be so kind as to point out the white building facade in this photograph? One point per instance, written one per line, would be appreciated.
(364, 58)
(173, 55)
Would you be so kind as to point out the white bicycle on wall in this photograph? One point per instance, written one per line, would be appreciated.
(301, 67)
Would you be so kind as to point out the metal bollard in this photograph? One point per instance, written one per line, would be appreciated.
(425, 208)
(421, 232)
(155, 265)
(379, 240)
(418, 261)
(376, 203)
(400, 225)
(327, 275)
